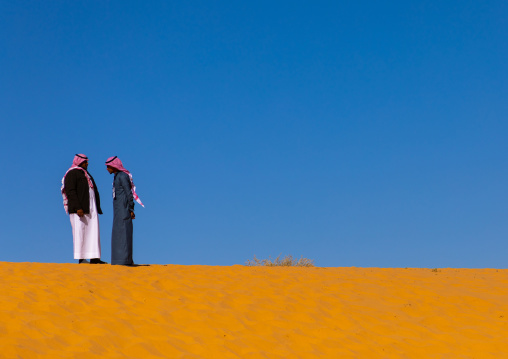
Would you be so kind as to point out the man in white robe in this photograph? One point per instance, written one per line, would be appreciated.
(82, 203)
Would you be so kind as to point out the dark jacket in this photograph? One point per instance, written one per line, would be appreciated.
(76, 188)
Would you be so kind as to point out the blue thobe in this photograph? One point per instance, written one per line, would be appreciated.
(123, 205)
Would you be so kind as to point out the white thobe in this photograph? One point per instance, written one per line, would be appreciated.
(85, 232)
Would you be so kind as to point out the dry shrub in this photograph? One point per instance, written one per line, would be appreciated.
(287, 261)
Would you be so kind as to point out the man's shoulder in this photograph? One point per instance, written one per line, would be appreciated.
(75, 173)
(122, 178)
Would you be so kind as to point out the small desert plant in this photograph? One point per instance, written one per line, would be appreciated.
(287, 261)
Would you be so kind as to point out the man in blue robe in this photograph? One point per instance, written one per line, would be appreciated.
(124, 194)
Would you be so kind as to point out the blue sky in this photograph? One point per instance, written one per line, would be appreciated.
(369, 134)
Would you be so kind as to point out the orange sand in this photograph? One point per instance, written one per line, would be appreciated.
(83, 311)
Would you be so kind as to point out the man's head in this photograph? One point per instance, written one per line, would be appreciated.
(80, 160)
(113, 165)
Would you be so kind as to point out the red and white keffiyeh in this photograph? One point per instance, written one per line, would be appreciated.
(116, 163)
(78, 159)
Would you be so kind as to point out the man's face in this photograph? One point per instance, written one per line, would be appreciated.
(84, 165)
(110, 169)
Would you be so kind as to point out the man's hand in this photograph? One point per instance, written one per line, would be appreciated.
(80, 212)
(133, 216)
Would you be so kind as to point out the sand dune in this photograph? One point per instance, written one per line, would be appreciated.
(83, 311)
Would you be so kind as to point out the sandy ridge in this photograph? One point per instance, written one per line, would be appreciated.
(78, 311)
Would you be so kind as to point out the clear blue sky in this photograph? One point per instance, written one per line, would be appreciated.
(359, 133)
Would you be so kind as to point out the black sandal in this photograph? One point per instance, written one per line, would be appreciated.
(97, 261)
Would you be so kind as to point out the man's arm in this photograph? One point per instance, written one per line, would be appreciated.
(97, 196)
(126, 184)
(70, 184)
